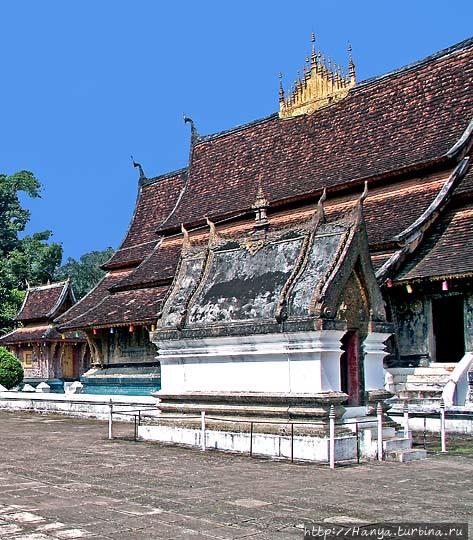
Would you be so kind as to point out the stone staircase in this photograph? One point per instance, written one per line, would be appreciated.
(396, 447)
(420, 385)
(399, 448)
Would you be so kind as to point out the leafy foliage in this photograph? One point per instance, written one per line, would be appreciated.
(30, 260)
(86, 272)
(13, 218)
(11, 370)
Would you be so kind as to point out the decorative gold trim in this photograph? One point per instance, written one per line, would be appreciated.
(253, 246)
(322, 84)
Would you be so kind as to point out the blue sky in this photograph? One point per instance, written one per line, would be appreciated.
(86, 83)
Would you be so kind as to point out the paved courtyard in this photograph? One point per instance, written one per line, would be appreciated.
(61, 478)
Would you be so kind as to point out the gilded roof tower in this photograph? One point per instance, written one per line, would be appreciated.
(323, 82)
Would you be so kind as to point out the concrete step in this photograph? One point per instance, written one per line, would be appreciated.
(420, 394)
(396, 444)
(424, 387)
(430, 370)
(403, 456)
(424, 379)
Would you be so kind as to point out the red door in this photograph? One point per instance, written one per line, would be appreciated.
(350, 367)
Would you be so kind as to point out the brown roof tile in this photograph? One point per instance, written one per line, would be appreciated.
(446, 251)
(124, 307)
(391, 208)
(44, 302)
(156, 200)
(90, 300)
(159, 266)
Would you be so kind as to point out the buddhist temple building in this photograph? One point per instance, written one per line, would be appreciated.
(297, 258)
(48, 356)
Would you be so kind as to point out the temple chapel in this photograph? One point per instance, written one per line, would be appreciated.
(296, 258)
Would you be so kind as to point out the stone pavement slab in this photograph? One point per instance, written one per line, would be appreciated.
(61, 478)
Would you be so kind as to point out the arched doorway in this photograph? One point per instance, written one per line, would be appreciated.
(354, 310)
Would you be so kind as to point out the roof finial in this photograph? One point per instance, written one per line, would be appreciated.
(260, 206)
(281, 89)
(320, 206)
(185, 240)
(194, 133)
(185, 233)
(139, 167)
(351, 66)
(320, 84)
(313, 55)
(211, 225)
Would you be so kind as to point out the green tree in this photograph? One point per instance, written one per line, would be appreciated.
(13, 218)
(11, 370)
(86, 272)
(32, 259)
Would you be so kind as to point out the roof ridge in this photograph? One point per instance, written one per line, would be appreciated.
(148, 181)
(49, 286)
(241, 127)
(465, 44)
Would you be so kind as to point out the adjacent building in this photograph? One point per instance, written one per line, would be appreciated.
(48, 355)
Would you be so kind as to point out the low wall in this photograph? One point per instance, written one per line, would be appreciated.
(304, 447)
(85, 405)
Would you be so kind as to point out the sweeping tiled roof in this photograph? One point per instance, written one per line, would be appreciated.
(101, 308)
(391, 208)
(447, 251)
(157, 268)
(389, 124)
(138, 306)
(95, 296)
(44, 302)
(156, 200)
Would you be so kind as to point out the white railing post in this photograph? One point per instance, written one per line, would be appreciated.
(406, 419)
(331, 449)
(379, 412)
(110, 419)
(202, 430)
(442, 426)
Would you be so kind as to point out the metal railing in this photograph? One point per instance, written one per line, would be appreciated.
(376, 422)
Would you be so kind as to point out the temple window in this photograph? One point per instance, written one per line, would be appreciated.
(28, 359)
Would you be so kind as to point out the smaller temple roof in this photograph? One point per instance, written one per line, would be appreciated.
(45, 302)
(255, 280)
(40, 333)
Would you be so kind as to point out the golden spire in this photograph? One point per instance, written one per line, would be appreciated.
(323, 82)
(351, 66)
(281, 89)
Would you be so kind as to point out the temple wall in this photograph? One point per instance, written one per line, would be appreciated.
(412, 314)
(125, 347)
(302, 362)
(414, 326)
